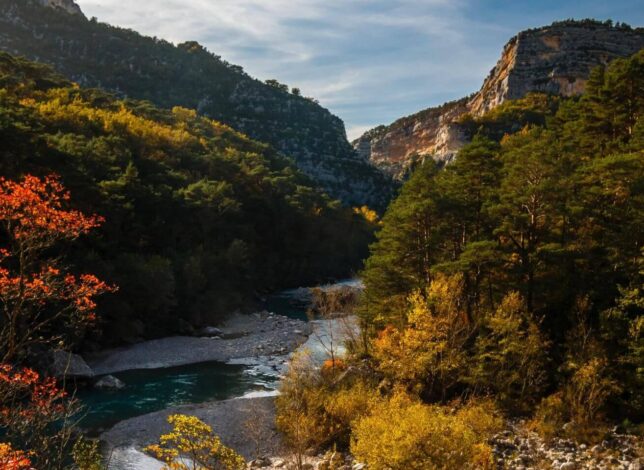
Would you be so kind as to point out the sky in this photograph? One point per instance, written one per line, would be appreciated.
(369, 61)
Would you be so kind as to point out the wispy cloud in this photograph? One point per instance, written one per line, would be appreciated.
(369, 61)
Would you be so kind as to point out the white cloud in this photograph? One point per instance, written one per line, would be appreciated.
(369, 61)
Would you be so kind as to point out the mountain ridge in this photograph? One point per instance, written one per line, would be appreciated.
(555, 59)
(131, 65)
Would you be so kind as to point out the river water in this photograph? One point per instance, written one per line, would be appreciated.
(152, 390)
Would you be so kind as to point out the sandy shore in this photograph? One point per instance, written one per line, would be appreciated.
(244, 336)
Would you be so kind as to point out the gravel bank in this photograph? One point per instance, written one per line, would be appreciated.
(245, 424)
(243, 336)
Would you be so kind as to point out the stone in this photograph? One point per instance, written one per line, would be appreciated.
(260, 462)
(210, 331)
(66, 364)
(555, 59)
(66, 5)
(109, 382)
(568, 466)
(279, 463)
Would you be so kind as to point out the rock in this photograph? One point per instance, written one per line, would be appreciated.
(359, 466)
(109, 382)
(260, 462)
(568, 466)
(210, 331)
(555, 59)
(67, 5)
(279, 463)
(66, 364)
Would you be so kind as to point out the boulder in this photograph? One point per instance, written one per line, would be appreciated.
(210, 331)
(66, 364)
(109, 382)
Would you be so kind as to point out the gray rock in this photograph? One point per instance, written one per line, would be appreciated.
(568, 466)
(109, 382)
(210, 331)
(66, 364)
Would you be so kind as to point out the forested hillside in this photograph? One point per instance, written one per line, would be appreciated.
(198, 217)
(122, 61)
(507, 284)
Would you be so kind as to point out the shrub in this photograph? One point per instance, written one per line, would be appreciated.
(402, 433)
(193, 440)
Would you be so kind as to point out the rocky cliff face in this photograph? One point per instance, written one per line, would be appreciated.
(555, 59)
(98, 55)
(67, 5)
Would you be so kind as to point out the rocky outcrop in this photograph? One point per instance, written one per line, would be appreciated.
(65, 364)
(556, 59)
(94, 54)
(67, 5)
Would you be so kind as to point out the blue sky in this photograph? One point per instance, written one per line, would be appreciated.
(368, 61)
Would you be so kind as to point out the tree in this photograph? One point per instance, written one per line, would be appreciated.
(429, 355)
(192, 445)
(36, 416)
(42, 303)
(510, 355)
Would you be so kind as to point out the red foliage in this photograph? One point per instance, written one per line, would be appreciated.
(33, 213)
(11, 459)
(35, 294)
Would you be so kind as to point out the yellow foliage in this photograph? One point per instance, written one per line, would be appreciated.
(366, 213)
(430, 352)
(404, 434)
(191, 445)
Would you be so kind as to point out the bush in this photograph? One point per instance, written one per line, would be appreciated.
(402, 433)
(195, 440)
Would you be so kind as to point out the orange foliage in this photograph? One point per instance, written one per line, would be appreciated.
(11, 459)
(32, 211)
(27, 397)
(34, 218)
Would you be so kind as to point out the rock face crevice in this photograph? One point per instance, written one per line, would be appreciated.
(555, 59)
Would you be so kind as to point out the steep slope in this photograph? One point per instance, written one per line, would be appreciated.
(198, 217)
(555, 59)
(98, 55)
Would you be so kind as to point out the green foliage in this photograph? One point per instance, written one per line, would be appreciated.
(87, 455)
(540, 218)
(509, 357)
(199, 217)
(120, 60)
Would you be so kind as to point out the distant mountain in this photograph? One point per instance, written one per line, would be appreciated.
(555, 59)
(99, 55)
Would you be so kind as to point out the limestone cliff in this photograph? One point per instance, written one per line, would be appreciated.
(554, 59)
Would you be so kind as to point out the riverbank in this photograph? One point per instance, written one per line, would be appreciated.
(240, 337)
(245, 424)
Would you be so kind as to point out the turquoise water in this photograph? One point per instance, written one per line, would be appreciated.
(152, 390)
